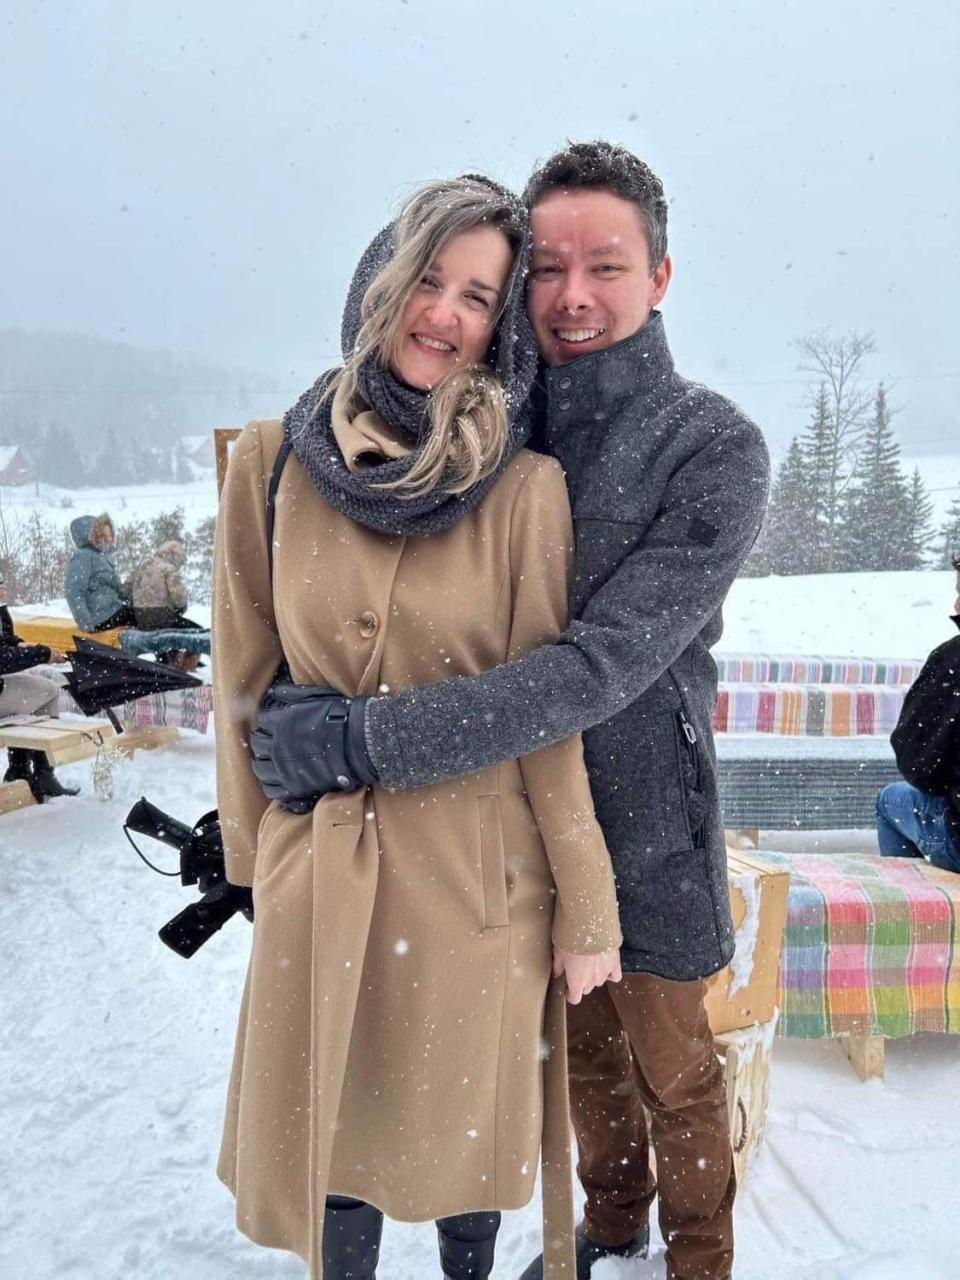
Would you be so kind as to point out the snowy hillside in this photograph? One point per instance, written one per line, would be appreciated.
(115, 1052)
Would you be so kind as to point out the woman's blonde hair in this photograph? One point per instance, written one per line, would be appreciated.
(469, 426)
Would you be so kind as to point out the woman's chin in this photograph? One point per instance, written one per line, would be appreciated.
(416, 379)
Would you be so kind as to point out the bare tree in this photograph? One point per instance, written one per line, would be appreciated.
(843, 404)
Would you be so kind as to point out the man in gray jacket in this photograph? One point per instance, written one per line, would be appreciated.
(668, 483)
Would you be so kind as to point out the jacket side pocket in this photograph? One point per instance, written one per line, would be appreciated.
(492, 863)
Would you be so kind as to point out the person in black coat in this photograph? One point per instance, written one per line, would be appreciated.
(26, 693)
(920, 817)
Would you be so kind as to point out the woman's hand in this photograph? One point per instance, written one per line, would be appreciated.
(583, 973)
(56, 655)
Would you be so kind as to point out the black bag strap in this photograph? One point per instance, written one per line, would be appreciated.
(282, 454)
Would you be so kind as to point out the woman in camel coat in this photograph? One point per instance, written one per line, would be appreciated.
(390, 1046)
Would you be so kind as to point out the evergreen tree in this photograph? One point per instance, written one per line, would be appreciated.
(182, 474)
(59, 461)
(819, 454)
(784, 543)
(917, 532)
(112, 464)
(949, 537)
(876, 502)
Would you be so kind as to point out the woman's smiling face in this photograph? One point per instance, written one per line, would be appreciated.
(448, 321)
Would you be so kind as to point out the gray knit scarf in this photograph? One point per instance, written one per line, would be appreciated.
(512, 356)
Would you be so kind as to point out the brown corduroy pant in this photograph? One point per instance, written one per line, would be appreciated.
(645, 1043)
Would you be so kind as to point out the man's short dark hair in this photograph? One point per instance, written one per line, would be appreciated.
(603, 166)
(956, 563)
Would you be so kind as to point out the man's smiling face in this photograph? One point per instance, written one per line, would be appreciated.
(591, 283)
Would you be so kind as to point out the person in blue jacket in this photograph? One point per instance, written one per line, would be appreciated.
(97, 598)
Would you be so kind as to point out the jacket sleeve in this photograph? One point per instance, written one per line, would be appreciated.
(926, 741)
(639, 621)
(585, 919)
(77, 586)
(246, 646)
(20, 657)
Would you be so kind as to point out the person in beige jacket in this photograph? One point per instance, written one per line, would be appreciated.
(391, 1051)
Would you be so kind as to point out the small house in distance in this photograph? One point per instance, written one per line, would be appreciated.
(199, 450)
(15, 465)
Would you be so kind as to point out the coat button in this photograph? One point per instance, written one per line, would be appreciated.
(564, 404)
(564, 383)
(369, 624)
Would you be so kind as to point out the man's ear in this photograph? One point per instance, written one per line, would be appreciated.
(660, 280)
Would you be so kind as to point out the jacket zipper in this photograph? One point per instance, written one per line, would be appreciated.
(697, 834)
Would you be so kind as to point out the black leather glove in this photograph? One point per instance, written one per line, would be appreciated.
(309, 741)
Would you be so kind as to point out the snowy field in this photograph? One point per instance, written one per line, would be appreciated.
(115, 1052)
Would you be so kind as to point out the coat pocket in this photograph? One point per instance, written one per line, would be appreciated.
(492, 863)
(682, 808)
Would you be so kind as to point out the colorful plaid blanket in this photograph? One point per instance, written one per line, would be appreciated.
(184, 708)
(869, 946)
(826, 710)
(812, 669)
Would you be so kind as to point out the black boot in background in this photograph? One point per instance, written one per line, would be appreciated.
(44, 783)
(19, 766)
(351, 1239)
(467, 1244)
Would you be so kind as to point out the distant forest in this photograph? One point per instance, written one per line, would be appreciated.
(88, 410)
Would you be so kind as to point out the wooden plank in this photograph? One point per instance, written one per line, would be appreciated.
(223, 440)
(15, 795)
(59, 632)
(61, 741)
(866, 1055)
(756, 1000)
(747, 1057)
(145, 737)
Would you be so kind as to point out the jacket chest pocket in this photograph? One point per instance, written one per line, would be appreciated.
(492, 863)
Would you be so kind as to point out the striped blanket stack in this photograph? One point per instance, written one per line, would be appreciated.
(868, 947)
(825, 710)
(184, 708)
(739, 668)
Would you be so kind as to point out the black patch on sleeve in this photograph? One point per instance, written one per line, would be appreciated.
(702, 532)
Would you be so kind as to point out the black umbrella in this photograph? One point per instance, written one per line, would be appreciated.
(103, 677)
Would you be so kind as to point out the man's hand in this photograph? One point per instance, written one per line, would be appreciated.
(584, 973)
(56, 655)
(309, 741)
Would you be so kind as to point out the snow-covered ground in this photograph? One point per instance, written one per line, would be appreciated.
(115, 1052)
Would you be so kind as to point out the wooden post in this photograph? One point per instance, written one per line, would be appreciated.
(866, 1055)
(223, 438)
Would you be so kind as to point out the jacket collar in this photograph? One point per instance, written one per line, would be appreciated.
(587, 391)
(955, 619)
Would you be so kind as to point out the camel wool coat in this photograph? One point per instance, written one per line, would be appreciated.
(391, 1038)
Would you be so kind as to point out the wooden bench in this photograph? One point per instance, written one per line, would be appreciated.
(58, 632)
(67, 741)
(869, 951)
(15, 795)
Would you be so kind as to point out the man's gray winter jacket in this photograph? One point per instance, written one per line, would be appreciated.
(668, 483)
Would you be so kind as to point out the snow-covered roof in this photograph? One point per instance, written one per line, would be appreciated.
(7, 454)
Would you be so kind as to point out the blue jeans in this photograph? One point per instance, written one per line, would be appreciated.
(912, 824)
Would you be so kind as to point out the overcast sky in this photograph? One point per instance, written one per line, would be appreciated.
(203, 176)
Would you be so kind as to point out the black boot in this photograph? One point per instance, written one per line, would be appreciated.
(19, 766)
(467, 1243)
(588, 1252)
(351, 1239)
(44, 783)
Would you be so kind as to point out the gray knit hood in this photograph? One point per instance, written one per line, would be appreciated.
(308, 425)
